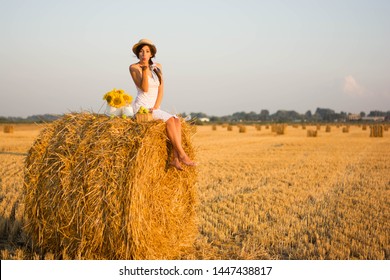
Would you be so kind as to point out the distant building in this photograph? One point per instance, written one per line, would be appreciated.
(204, 119)
(374, 119)
(354, 117)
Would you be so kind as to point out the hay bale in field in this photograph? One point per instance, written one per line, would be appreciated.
(328, 128)
(346, 129)
(242, 129)
(258, 127)
(8, 129)
(376, 130)
(101, 188)
(311, 133)
(214, 127)
(279, 129)
(229, 128)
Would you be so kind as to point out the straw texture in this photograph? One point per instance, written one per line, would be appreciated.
(101, 188)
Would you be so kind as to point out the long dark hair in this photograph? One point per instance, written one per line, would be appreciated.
(150, 62)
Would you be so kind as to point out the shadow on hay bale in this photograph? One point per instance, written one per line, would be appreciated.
(100, 188)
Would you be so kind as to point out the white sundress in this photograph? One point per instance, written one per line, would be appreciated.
(148, 99)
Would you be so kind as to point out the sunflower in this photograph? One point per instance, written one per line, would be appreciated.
(127, 99)
(107, 96)
(117, 98)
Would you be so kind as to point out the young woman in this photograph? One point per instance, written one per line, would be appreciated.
(148, 79)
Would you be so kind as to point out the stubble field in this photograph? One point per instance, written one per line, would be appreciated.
(261, 195)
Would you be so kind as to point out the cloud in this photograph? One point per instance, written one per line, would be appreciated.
(352, 87)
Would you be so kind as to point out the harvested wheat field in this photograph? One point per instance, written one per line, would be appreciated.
(262, 195)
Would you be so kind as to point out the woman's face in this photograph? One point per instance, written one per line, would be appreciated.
(145, 54)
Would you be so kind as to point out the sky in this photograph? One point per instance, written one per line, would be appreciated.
(218, 57)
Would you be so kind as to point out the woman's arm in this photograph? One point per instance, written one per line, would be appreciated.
(140, 76)
(160, 93)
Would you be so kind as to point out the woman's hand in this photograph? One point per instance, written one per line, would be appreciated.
(152, 109)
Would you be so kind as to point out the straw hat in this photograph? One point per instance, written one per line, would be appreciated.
(145, 42)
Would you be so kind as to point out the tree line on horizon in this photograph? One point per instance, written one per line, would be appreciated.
(320, 115)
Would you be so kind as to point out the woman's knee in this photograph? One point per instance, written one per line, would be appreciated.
(171, 124)
(173, 121)
(170, 121)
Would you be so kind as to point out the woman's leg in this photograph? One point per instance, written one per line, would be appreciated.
(174, 134)
(176, 162)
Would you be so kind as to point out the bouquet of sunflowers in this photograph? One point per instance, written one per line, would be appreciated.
(117, 98)
(118, 103)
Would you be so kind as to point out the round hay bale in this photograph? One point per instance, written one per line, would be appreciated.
(279, 129)
(242, 129)
(8, 129)
(311, 133)
(376, 130)
(102, 188)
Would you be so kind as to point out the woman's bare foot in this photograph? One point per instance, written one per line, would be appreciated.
(176, 163)
(187, 161)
